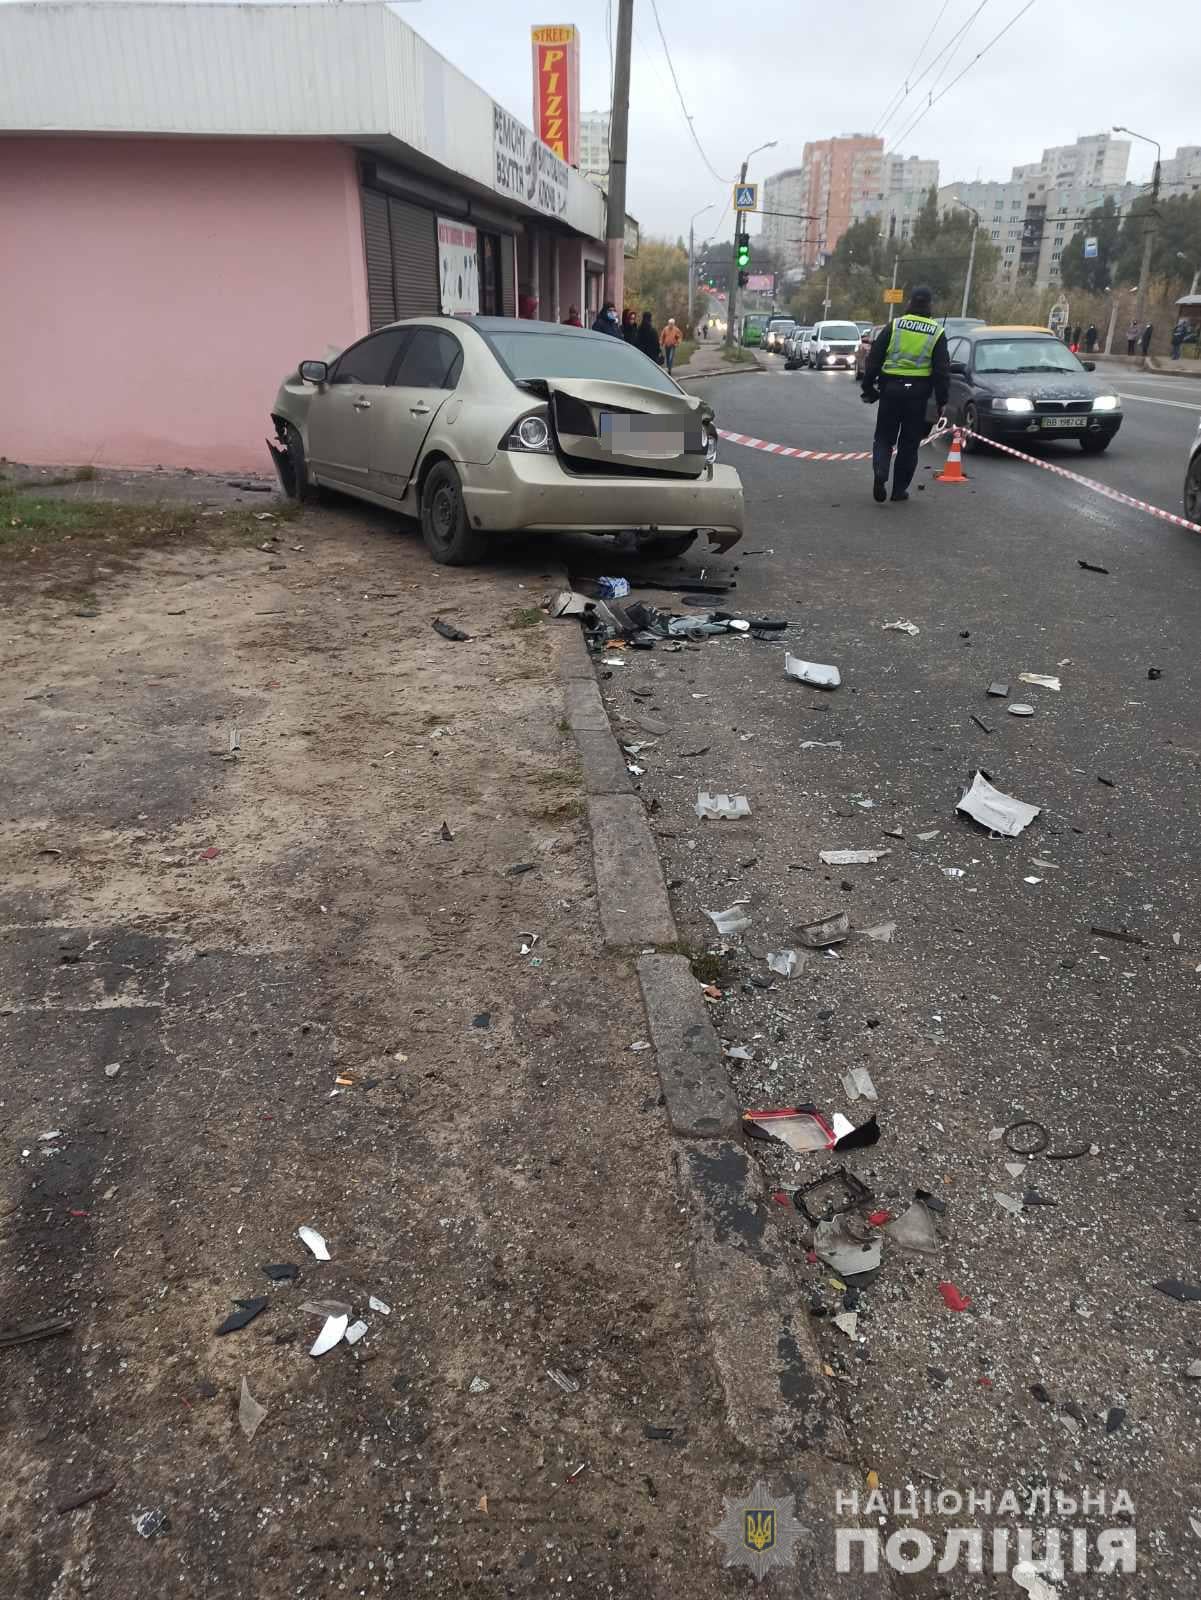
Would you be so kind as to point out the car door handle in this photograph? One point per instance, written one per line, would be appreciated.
(362, 405)
(420, 409)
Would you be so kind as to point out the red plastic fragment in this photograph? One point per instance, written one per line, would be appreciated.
(879, 1218)
(207, 855)
(781, 1198)
(952, 1298)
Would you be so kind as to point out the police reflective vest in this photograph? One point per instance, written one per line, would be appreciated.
(911, 347)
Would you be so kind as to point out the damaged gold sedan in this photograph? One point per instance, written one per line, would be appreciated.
(489, 425)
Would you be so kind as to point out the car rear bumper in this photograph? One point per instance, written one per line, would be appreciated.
(522, 490)
(1013, 428)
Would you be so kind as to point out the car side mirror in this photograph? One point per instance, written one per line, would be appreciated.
(314, 371)
(958, 366)
(1089, 366)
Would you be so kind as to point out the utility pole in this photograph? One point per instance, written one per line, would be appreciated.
(895, 263)
(619, 128)
(1144, 277)
(827, 302)
(739, 221)
(971, 263)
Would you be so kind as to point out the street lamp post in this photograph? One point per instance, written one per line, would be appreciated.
(732, 302)
(971, 259)
(691, 243)
(1180, 256)
(1144, 277)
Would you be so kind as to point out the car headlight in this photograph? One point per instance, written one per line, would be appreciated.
(1018, 403)
(1107, 402)
(531, 433)
(710, 443)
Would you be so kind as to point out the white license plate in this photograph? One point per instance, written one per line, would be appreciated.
(1065, 422)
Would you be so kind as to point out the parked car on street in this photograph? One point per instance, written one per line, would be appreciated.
(953, 325)
(867, 338)
(1023, 385)
(831, 344)
(792, 347)
(775, 332)
(1192, 482)
(493, 425)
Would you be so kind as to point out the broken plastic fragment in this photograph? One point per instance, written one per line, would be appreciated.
(998, 690)
(799, 1129)
(823, 677)
(112, 1069)
(998, 812)
(384, 1309)
(851, 858)
(315, 1242)
(331, 1334)
(952, 872)
(952, 1299)
(914, 1230)
(849, 1244)
(250, 1413)
(716, 806)
(1008, 1203)
(784, 962)
(737, 1052)
(1040, 678)
(825, 931)
(641, 1044)
(568, 1385)
(1027, 1576)
(1178, 1290)
(327, 1308)
(247, 1311)
(355, 1332)
(901, 627)
(150, 1523)
(882, 932)
(847, 1321)
(478, 1386)
(858, 1082)
(734, 920)
(821, 744)
(280, 1271)
(1020, 709)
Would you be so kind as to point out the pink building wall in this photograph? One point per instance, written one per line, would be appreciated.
(153, 292)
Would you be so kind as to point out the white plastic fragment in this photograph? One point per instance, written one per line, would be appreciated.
(1041, 678)
(112, 1069)
(250, 1413)
(382, 1306)
(1027, 1576)
(858, 1081)
(54, 1133)
(821, 744)
(930, 833)
(315, 1242)
(568, 1384)
(847, 1322)
(1019, 708)
(733, 920)
(355, 1332)
(851, 858)
(641, 1044)
(882, 932)
(813, 672)
(737, 1052)
(1007, 1203)
(1015, 1168)
(525, 935)
(998, 812)
(1032, 880)
(952, 872)
(715, 806)
(783, 962)
(1193, 1370)
(331, 1334)
(478, 1386)
(902, 627)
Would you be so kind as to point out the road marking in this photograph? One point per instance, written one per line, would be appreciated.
(1150, 400)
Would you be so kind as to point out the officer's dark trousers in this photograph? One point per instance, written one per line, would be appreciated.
(900, 422)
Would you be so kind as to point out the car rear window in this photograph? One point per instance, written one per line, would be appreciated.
(840, 330)
(577, 355)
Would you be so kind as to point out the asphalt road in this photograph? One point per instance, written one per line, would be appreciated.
(993, 1002)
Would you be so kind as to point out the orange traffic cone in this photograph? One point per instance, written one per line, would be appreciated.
(953, 471)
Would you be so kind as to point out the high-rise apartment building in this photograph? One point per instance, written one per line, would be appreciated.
(1095, 158)
(782, 192)
(834, 181)
(893, 188)
(1181, 173)
(594, 146)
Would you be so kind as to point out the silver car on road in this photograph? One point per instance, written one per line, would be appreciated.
(490, 425)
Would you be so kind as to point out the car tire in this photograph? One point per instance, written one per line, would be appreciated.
(1192, 489)
(448, 535)
(970, 418)
(292, 465)
(1095, 444)
(667, 546)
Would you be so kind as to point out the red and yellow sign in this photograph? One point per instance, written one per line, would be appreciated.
(557, 89)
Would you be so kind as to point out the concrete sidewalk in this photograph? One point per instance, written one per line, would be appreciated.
(710, 361)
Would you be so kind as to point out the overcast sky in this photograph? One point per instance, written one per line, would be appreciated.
(796, 73)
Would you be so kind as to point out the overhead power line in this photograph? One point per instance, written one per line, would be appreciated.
(904, 89)
(951, 44)
(680, 98)
(935, 98)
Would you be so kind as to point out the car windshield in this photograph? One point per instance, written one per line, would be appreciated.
(1025, 355)
(783, 327)
(595, 356)
(840, 330)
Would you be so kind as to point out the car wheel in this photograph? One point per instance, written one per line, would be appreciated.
(668, 546)
(449, 536)
(971, 419)
(1192, 489)
(291, 464)
(1093, 444)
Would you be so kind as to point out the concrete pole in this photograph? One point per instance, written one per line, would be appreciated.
(895, 263)
(1144, 277)
(1113, 322)
(619, 130)
(691, 242)
(732, 300)
(971, 262)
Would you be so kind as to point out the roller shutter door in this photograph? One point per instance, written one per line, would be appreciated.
(380, 296)
(414, 259)
(508, 286)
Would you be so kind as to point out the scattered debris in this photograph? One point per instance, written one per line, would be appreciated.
(1154, 672)
(1121, 934)
(848, 1244)
(355, 1332)
(331, 1334)
(445, 834)
(326, 1308)
(612, 588)
(478, 1386)
(851, 858)
(112, 1069)
(858, 1082)
(1091, 566)
(482, 1019)
(281, 1271)
(952, 1299)
(311, 1238)
(32, 1332)
(687, 755)
(1008, 1203)
(1020, 709)
(1178, 1290)
(1041, 678)
(822, 677)
(247, 1311)
(980, 723)
(1000, 813)
(84, 1497)
(716, 806)
(651, 1432)
(557, 1375)
(801, 1128)
(525, 935)
(952, 872)
(828, 930)
(1108, 782)
(382, 1306)
(902, 627)
(1026, 1574)
(821, 744)
(737, 1052)
(848, 1321)
(1026, 1137)
(149, 1524)
(641, 1044)
(210, 854)
(998, 690)
(914, 1229)
(882, 932)
(1193, 1370)
(930, 833)
(250, 1413)
(784, 962)
(732, 921)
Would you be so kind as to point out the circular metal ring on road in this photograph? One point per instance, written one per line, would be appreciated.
(1023, 1143)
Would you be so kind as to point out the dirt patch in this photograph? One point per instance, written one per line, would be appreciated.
(271, 853)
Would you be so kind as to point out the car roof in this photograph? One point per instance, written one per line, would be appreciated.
(1008, 327)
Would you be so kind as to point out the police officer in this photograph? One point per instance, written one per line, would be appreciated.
(908, 359)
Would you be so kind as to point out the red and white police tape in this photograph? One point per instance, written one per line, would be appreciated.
(1060, 472)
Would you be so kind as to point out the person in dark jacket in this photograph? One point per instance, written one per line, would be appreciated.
(1090, 337)
(647, 339)
(908, 361)
(1145, 341)
(629, 326)
(606, 320)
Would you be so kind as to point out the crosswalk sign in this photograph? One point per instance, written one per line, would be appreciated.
(746, 197)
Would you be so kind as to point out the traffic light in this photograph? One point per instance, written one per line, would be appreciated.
(743, 279)
(743, 252)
